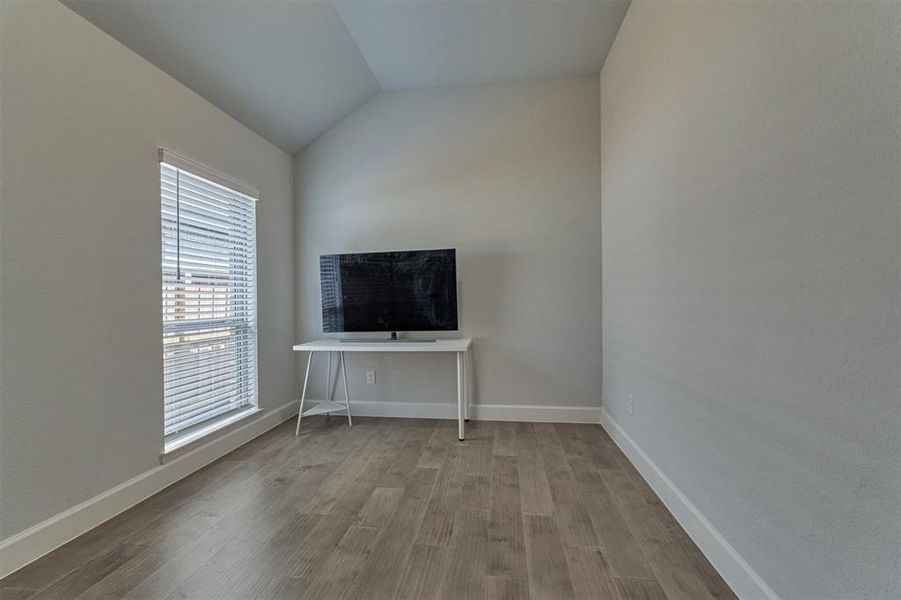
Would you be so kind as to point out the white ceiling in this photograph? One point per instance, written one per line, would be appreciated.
(291, 69)
(427, 44)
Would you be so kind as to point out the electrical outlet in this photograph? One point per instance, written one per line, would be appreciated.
(631, 405)
(370, 376)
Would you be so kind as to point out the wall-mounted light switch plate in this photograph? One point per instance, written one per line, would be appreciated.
(370, 376)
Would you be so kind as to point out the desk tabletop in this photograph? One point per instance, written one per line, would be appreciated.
(334, 345)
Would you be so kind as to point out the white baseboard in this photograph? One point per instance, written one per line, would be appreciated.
(745, 582)
(33, 543)
(480, 412)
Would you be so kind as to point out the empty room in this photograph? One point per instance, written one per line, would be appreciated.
(450, 299)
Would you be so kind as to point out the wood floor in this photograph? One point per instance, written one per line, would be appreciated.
(392, 508)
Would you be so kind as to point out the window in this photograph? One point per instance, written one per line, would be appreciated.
(209, 296)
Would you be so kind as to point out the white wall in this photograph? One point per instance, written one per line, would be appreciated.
(751, 186)
(80, 347)
(509, 175)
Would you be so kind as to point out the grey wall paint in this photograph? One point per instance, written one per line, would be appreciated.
(80, 348)
(751, 248)
(509, 175)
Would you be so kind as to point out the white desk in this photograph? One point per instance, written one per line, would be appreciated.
(460, 347)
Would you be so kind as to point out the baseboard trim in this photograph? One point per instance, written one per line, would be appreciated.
(745, 582)
(480, 412)
(34, 542)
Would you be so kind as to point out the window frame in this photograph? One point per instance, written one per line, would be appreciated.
(239, 191)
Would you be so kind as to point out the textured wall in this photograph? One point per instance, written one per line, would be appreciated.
(80, 341)
(752, 306)
(509, 174)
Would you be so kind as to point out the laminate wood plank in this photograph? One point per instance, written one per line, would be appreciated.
(172, 534)
(285, 588)
(505, 588)
(572, 514)
(506, 541)
(626, 558)
(713, 581)
(575, 524)
(672, 568)
(676, 573)
(391, 457)
(355, 478)
(477, 448)
(586, 474)
(423, 574)
(438, 524)
(268, 561)
(383, 572)
(379, 507)
(476, 493)
(231, 490)
(336, 485)
(354, 459)
(570, 440)
(357, 493)
(548, 572)
(642, 486)
(308, 558)
(560, 477)
(602, 451)
(590, 573)
(85, 548)
(504, 439)
(260, 516)
(9, 593)
(178, 567)
(644, 522)
(533, 484)
(82, 578)
(639, 589)
(433, 457)
(210, 579)
(158, 550)
(399, 470)
(264, 486)
(336, 579)
(468, 557)
(327, 443)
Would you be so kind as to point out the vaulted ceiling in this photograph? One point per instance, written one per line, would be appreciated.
(291, 69)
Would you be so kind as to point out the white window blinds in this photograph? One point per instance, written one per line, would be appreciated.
(209, 299)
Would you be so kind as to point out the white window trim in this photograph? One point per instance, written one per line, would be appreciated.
(176, 444)
(179, 444)
(186, 164)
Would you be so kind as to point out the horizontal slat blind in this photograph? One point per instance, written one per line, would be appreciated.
(209, 299)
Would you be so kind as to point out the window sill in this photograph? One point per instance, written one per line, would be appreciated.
(182, 443)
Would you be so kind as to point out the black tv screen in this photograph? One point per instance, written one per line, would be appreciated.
(413, 290)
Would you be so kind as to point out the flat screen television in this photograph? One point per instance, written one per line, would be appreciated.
(412, 290)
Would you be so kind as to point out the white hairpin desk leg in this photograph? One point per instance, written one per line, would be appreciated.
(328, 381)
(461, 382)
(303, 394)
(467, 396)
(346, 393)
